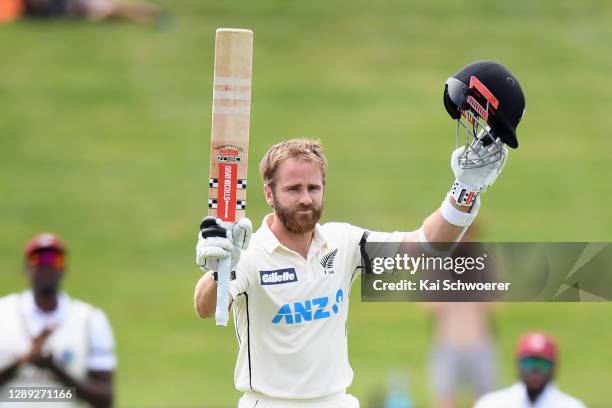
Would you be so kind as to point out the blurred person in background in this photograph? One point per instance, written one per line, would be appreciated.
(463, 354)
(51, 339)
(537, 362)
(93, 10)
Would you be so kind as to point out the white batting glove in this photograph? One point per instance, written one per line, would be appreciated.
(470, 182)
(210, 250)
(241, 237)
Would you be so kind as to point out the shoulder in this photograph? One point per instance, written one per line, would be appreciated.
(567, 401)
(78, 305)
(9, 299)
(342, 230)
(99, 327)
(342, 235)
(97, 317)
(497, 399)
(9, 303)
(341, 227)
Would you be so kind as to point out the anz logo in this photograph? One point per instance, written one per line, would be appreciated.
(313, 309)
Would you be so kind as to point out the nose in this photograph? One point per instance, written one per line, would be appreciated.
(305, 199)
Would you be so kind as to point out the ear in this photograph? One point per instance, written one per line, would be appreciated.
(269, 195)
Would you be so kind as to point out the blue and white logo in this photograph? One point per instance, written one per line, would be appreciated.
(308, 310)
(278, 276)
(67, 356)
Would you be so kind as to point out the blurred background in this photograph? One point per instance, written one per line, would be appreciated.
(104, 139)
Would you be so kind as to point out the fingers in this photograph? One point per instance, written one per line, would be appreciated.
(37, 346)
(241, 233)
(215, 252)
(216, 242)
(46, 332)
(503, 160)
(42, 337)
(212, 248)
(455, 157)
(494, 146)
(245, 223)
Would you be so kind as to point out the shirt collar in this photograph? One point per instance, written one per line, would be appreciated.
(31, 309)
(271, 243)
(550, 388)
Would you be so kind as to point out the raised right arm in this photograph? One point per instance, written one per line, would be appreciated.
(205, 297)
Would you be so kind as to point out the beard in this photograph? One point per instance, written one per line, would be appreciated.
(295, 221)
(48, 290)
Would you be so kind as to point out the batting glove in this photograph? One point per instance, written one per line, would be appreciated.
(469, 182)
(241, 237)
(218, 240)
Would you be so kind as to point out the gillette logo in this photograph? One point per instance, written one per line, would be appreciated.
(278, 276)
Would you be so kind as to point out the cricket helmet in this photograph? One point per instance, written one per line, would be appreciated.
(537, 344)
(44, 241)
(487, 101)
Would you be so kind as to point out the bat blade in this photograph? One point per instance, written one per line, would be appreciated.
(229, 142)
(230, 123)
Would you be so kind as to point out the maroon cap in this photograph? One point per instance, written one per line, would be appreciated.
(44, 241)
(537, 344)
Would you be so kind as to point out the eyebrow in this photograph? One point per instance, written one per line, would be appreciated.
(309, 185)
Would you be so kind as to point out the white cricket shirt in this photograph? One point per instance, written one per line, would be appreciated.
(290, 313)
(516, 397)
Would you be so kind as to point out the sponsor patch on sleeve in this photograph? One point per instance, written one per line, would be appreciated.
(278, 276)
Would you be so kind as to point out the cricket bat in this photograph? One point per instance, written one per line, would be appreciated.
(229, 141)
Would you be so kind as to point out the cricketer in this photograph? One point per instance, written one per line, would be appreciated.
(293, 276)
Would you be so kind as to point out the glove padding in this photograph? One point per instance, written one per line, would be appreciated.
(213, 248)
(241, 236)
(478, 179)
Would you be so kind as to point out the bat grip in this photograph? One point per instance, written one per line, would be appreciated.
(223, 276)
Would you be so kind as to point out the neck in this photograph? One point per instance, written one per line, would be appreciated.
(298, 242)
(45, 301)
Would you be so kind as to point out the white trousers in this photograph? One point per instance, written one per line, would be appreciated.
(340, 400)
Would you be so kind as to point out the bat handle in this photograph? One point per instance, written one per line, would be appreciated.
(223, 281)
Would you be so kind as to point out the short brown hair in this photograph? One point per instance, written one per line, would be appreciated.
(303, 149)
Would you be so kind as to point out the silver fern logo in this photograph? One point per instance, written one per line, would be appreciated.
(327, 262)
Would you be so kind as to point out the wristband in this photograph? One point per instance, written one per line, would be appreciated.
(232, 276)
(463, 194)
(427, 246)
(457, 217)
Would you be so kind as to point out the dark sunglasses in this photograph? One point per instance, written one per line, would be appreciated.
(536, 364)
(53, 259)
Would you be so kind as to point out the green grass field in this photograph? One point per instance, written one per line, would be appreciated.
(104, 133)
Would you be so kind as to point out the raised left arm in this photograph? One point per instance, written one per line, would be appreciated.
(460, 206)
